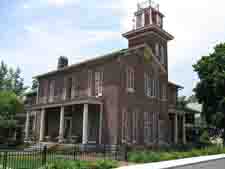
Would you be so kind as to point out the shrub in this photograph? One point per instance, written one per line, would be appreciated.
(99, 164)
(154, 156)
(104, 164)
(204, 138)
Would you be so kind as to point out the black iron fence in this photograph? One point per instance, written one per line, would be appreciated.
(34, 159)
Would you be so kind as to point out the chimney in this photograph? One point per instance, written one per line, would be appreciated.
(62, 62)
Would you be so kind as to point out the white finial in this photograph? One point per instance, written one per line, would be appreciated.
(150, 2)
(157, 6)
(138, 6)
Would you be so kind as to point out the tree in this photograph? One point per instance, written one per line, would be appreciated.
(210, 91)
(9, 106)
(192, 99)
(11, 80)
(182, 102)
(34, 84)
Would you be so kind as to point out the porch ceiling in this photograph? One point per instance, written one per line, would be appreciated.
(82, 100)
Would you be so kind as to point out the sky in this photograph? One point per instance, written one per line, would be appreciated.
(34, 33)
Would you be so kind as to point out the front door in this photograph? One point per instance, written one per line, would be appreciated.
(67, 127)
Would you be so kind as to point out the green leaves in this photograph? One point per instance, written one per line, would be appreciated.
(210, 91)
(11, 80)
(9, 106)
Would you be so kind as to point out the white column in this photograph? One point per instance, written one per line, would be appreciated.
(150, 16)
(42, 125)
(100, 123)
(184, 130)
(85, 124)
(175, 128)
(61, 126)
(27, 125)
(34, 122)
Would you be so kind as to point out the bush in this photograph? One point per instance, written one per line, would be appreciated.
(99, 164)
(155, 156)
(204, 138)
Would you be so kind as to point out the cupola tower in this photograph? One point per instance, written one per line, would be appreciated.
(147, 20)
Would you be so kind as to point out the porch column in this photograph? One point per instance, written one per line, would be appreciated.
(42, 125)
(27, 125)
(34, 122)
(100, 123)
(85, 124)
(175, 128)
(150, 16)
(61, 127)
(184, 130)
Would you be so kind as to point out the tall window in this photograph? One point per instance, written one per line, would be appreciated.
(125, 128)
(140, 19)
(150, 127)
(153, 88)
(157, 89)
(130, 127)
(69, 86)
(98, 83)
(75, 87)
(130, 79)
(148, 84)
(89, 83)
(157, 49)
(51, 90)
(162, 55)
(135, 127)
(164, 96)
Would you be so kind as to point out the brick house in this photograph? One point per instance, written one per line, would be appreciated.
(121, 97)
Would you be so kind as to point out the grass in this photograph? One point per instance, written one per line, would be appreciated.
(156, 156)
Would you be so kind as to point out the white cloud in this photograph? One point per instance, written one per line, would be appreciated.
(26, 6)
(196, 25)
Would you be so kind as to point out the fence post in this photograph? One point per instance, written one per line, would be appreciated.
(104, 152)
(5, 160)
(44, 155)
(74, 153)
(126, 153)
(116, 149)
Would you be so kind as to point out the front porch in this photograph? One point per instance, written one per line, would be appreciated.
(177, 126)
(74, 122)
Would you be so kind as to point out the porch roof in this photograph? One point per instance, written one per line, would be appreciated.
(81, 100)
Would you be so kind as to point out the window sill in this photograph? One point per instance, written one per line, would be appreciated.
(130, 90)
(99, 95)
(152, 97)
